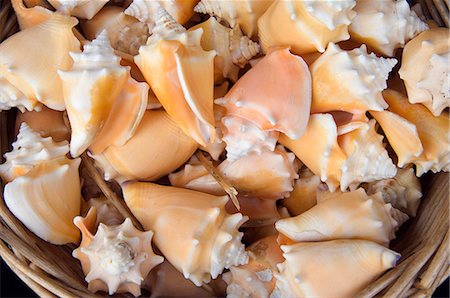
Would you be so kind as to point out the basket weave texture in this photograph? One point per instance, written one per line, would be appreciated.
(51, 271)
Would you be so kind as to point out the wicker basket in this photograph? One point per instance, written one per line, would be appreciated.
(51, 271)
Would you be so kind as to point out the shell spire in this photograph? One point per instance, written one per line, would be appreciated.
(143, 10)
(165, 25)
(209, 7)
(242, 48)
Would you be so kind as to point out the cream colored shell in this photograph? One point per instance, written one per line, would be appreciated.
(29, 16)
(11, 97)
(84, 9)
(305, 26)
(385, 25)
(191, 228)
(425, 69)
(339, 268)
(349, 81)
(34, 73)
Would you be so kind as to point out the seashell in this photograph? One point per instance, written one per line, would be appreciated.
(167, 63)
(124, 118)
(303, 196)
(192, 229)
(395, 25)
(349, 81)
(233, 50)
(347, 122)
(35, 73)
(11, 97)
(305, 26)
(49, 123)
(43, 186)
(351, 215)
(146, 11)
(166, 281)
(322, 155)
(402, 136)
(217, 147)
(367, 158)
(125, 32)
(433, 132)
(157, 136)
(33, 3)
(106, 213)
(29, 16)
(324, 269)
(279, 77)
(243, 137)
(403, 191)
(91, 88)
(84, 9)
(424, 69)
(260, 212)
(256, 279)
(117, 258)
(244, 14)
(254, 233)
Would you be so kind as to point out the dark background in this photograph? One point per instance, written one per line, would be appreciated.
(12, 286)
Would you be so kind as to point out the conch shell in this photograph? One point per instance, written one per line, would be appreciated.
(90, 89)
(349, 81)
(339, 268)
(43, 186)
(28, 17)
(385, 26)
(146, 11)
(433, 132)
(11, 97)
(168, 62)
(351, 215)
(49, 123)
(157, 148)
(34, 73)
(233, 50)
(425, 71)
(125, 32)
(403, 191)
(367, 159)
(322, 155)
(305, 26)
(256, 279)
(304, 194)
(402, 136)
(117, 258)
(275, 94)
(192, 229)
(243, 13)
(83, 9)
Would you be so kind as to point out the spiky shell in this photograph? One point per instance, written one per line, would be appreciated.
(352, 215)
(90, 90)
(192, 229)
(233, 50)
(403, 191)
(402, 136)
(395, 25)
(11, 97)
(117, 258)
(303, 196)
(433, 132)
(43, 186)
(28, 17)
(349, 81)
(157, 136)
(243, 13)
(339, 268)
(424, 69)
(125, 32)
(34, 73)
(256, 279)
(367, 159)
(84, 9)
(305, 26)
(275, 94)
(217, 147)
(322, 155)
(49, 123)
(167, 63)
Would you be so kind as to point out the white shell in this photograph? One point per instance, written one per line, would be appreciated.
(11, 97)
(85, 9)
(385, 25)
